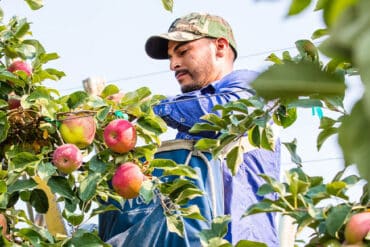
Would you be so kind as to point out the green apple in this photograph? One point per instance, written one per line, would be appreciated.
(78, 129)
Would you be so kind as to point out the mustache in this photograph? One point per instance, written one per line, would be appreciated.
(181, 71)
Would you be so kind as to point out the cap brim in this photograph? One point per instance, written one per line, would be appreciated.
(156, 46)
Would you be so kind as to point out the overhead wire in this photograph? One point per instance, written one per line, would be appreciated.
(168, 71)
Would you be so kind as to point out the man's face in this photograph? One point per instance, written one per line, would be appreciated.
(193, 63)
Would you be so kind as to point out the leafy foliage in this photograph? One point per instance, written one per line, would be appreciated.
(29, 133)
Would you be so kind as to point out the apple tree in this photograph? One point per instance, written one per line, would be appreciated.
(60, 152)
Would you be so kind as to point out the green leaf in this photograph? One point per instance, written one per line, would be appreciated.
(292, 148)
(336, 218)
(298, 6)
(174, 187)
(354, 139)
(23, 159)
(31, 235)
(248, 243)
(305, 79)
(4, 126)
(97, 165)
(215, 119)
(234, 158)
(24, 184)
(254, 136)
(102, 113)
(83, 238)
(218, 230)
(146, 151)
(296, 185)
(136, 96)
(167, 5)
(103, 208)
(321, 4)
(3, 103)
(319, 33)
(46, 170)
(334, 9)
(186, 195)
(109, 90)
(179, 170)
(46, 57)
(153, 124)
(39, 201)
(22, 29)
(147, 190)
(3, 187)
(199, 127)
(61, 186)
(88, 186)
(326, 122)
(278, 187)
(267, 139)
(76, 99)
(265, 189)
(191, 212)
(264, 206)
(284, 117)
(39, 50)
(35, 4)
(175, 224)
(307, 50)
(206, 144)
(162, 163)
(336, 188)
(273, 58)
(324, 135)
(72, 217)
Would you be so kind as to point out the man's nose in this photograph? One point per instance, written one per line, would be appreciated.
(174, 64)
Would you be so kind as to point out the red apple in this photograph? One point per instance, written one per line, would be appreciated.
(127, 180)
(78, 129)
(357, 228)
(67, 158)
(20, 65)
(14, 101)
(120, 136)
(4, 225)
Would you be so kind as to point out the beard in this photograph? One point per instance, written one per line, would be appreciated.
(191, 87)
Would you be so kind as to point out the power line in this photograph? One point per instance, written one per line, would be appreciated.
(168, 71)
(316, 160)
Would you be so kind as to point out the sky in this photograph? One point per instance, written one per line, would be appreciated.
(106, 39)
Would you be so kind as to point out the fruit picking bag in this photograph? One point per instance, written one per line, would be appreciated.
(140, 224)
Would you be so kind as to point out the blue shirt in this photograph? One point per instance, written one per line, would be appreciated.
(183, 111)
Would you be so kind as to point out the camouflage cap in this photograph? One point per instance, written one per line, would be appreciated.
(190, 27)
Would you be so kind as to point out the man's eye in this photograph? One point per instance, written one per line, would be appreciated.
(182, 53)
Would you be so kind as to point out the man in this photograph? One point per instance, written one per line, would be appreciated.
(201, 50)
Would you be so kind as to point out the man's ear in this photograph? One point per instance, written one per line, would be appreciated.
(222, 47)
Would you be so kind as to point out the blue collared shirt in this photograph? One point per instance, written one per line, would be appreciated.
(183, 111)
